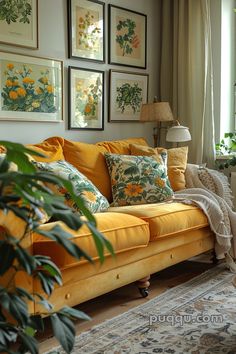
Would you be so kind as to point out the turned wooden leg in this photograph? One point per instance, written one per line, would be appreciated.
(143, 285)
(213, 258)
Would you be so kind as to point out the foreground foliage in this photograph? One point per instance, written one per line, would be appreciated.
(23, 193)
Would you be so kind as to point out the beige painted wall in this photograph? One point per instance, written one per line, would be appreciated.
(53, 44)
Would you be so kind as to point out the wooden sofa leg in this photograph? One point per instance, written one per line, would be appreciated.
(214, 259)
(143, 285)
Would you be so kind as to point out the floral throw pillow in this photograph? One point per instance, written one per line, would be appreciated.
(137, 180)
(83, 187)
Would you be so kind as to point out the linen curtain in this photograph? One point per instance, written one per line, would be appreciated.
(186, 78)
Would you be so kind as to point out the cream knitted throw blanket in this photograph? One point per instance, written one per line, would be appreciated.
(209, 189)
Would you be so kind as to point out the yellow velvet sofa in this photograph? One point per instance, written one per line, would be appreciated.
(146, 238)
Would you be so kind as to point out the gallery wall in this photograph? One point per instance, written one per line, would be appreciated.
(53, 43)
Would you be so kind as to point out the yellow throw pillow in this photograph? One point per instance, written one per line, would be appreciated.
(89, 160)
(176, 162)
(138, 150)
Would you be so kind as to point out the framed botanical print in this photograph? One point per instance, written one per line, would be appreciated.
(19, 23)
(128, 91)
(86, 19)
(127, 37)
(31, 88)
(86, 99)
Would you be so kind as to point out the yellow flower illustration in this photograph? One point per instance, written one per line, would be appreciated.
(9, 83)
(160, 182)
(38, 90)
(50, 89)
(35, 104)
(90, 99)
(13, 95)
(10, 66)
(27, 80)
(21, 92)
(87, 108)
(133, 190)
(15, 83)
(90, 196)
(44, 80)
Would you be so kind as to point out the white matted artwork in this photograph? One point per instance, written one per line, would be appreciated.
(128, 91)
(19, 23)
(86, 99)
(31, 88)
(86, 20)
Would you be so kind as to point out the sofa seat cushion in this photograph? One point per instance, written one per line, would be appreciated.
(125, 232)
(166, 219)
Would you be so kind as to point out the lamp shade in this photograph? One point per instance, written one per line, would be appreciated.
(178, 134)
(156, 111)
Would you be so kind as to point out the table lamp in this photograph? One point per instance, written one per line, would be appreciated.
(156, 112)
(178, 133)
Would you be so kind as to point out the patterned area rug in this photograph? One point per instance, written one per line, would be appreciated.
(197, 317)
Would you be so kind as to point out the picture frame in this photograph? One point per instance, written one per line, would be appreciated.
(19, 23)
(31, 88)
(86, 24)
(127, 37)
(86, 99)
(122, 85)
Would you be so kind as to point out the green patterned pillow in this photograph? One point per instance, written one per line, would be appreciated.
(83, 187)
(137, 180)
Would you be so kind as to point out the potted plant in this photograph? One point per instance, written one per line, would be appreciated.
(24, 198)
(226, 150)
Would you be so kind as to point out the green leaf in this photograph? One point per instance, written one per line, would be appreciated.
(63, 238)
(29, 343)
(20, 148)
(23, 293)
(73, 313)
(63, 332)
(47, 282)
(37, 322)
(48, 265)
(100, 242)
(30, 331)
(18, 309)
(7, 255)
(26, 261)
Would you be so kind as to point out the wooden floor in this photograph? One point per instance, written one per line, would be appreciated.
(123, 299)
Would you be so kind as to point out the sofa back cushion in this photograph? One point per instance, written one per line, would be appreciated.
(51, 148)
(137, 180)
(139, 150)
(121, 147)
(89, 160)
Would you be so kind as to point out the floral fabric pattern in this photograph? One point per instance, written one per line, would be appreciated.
(137, 180)
(83, 187)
